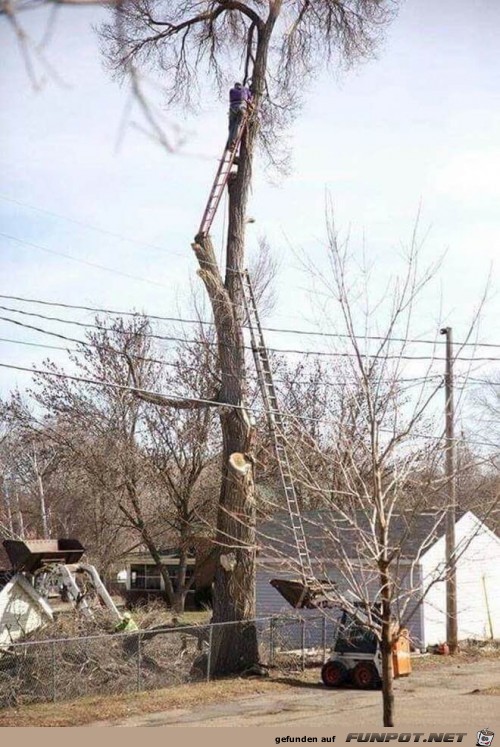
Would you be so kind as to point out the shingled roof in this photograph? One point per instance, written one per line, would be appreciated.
(328, 533)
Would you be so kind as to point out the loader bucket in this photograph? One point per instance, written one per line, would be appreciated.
(301, 596)
(30, 555)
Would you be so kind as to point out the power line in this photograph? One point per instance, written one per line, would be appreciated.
(122, 387)
(284, 330)
(153, 282)
(37, 345)
(41, 248)
(210, 402)
(172, 338)
(83, 261)
(414, 379)
(289, 382)
(103, 267)
(84, 224)
(116, 312)
(105, 232)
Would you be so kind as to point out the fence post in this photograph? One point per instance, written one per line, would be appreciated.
(139, 682)
(53, 653)
(271, 642)
(324, 638)
(303, 641)
(209, 653)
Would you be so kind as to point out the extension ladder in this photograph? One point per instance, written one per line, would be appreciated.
(221, 179)
(275, 421)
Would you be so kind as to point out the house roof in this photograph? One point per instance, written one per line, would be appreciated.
(196, 545)
(203, 554)
(330, 534)
(143, 553)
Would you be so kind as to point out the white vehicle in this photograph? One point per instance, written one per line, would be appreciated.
(44, 570)
(355, 658)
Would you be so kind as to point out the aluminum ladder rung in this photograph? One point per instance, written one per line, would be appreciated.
(275, 421)
(220, 181)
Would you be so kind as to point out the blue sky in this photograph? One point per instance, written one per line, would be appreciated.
(418, 126)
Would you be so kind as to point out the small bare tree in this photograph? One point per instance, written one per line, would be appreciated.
(148, 464)
(385, 452)
(6, 508)
(33, 459)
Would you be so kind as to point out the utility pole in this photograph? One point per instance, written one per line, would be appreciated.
(451, 462)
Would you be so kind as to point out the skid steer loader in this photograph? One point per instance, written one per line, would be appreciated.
(355, 654)
(355, 658)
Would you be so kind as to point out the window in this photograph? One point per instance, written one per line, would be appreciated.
(145, 576)
(173, 571)
(153, 577)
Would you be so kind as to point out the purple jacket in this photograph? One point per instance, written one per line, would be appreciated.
(238, 96)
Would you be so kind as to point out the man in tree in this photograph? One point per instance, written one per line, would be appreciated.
(240, 98)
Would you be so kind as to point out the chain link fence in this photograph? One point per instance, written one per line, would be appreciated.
(295, 641)
(69, 668)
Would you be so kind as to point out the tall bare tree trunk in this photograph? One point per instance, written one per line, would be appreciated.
(235, 646)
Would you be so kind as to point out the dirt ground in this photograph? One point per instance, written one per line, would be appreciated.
(440, 695)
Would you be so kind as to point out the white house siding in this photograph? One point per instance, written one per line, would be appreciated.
(270, 602)
(20, 611)
(478, 584)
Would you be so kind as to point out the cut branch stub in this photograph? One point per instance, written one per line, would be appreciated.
(241, 463)
(228, 562)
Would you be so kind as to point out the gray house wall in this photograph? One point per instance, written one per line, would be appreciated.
(270, 602)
